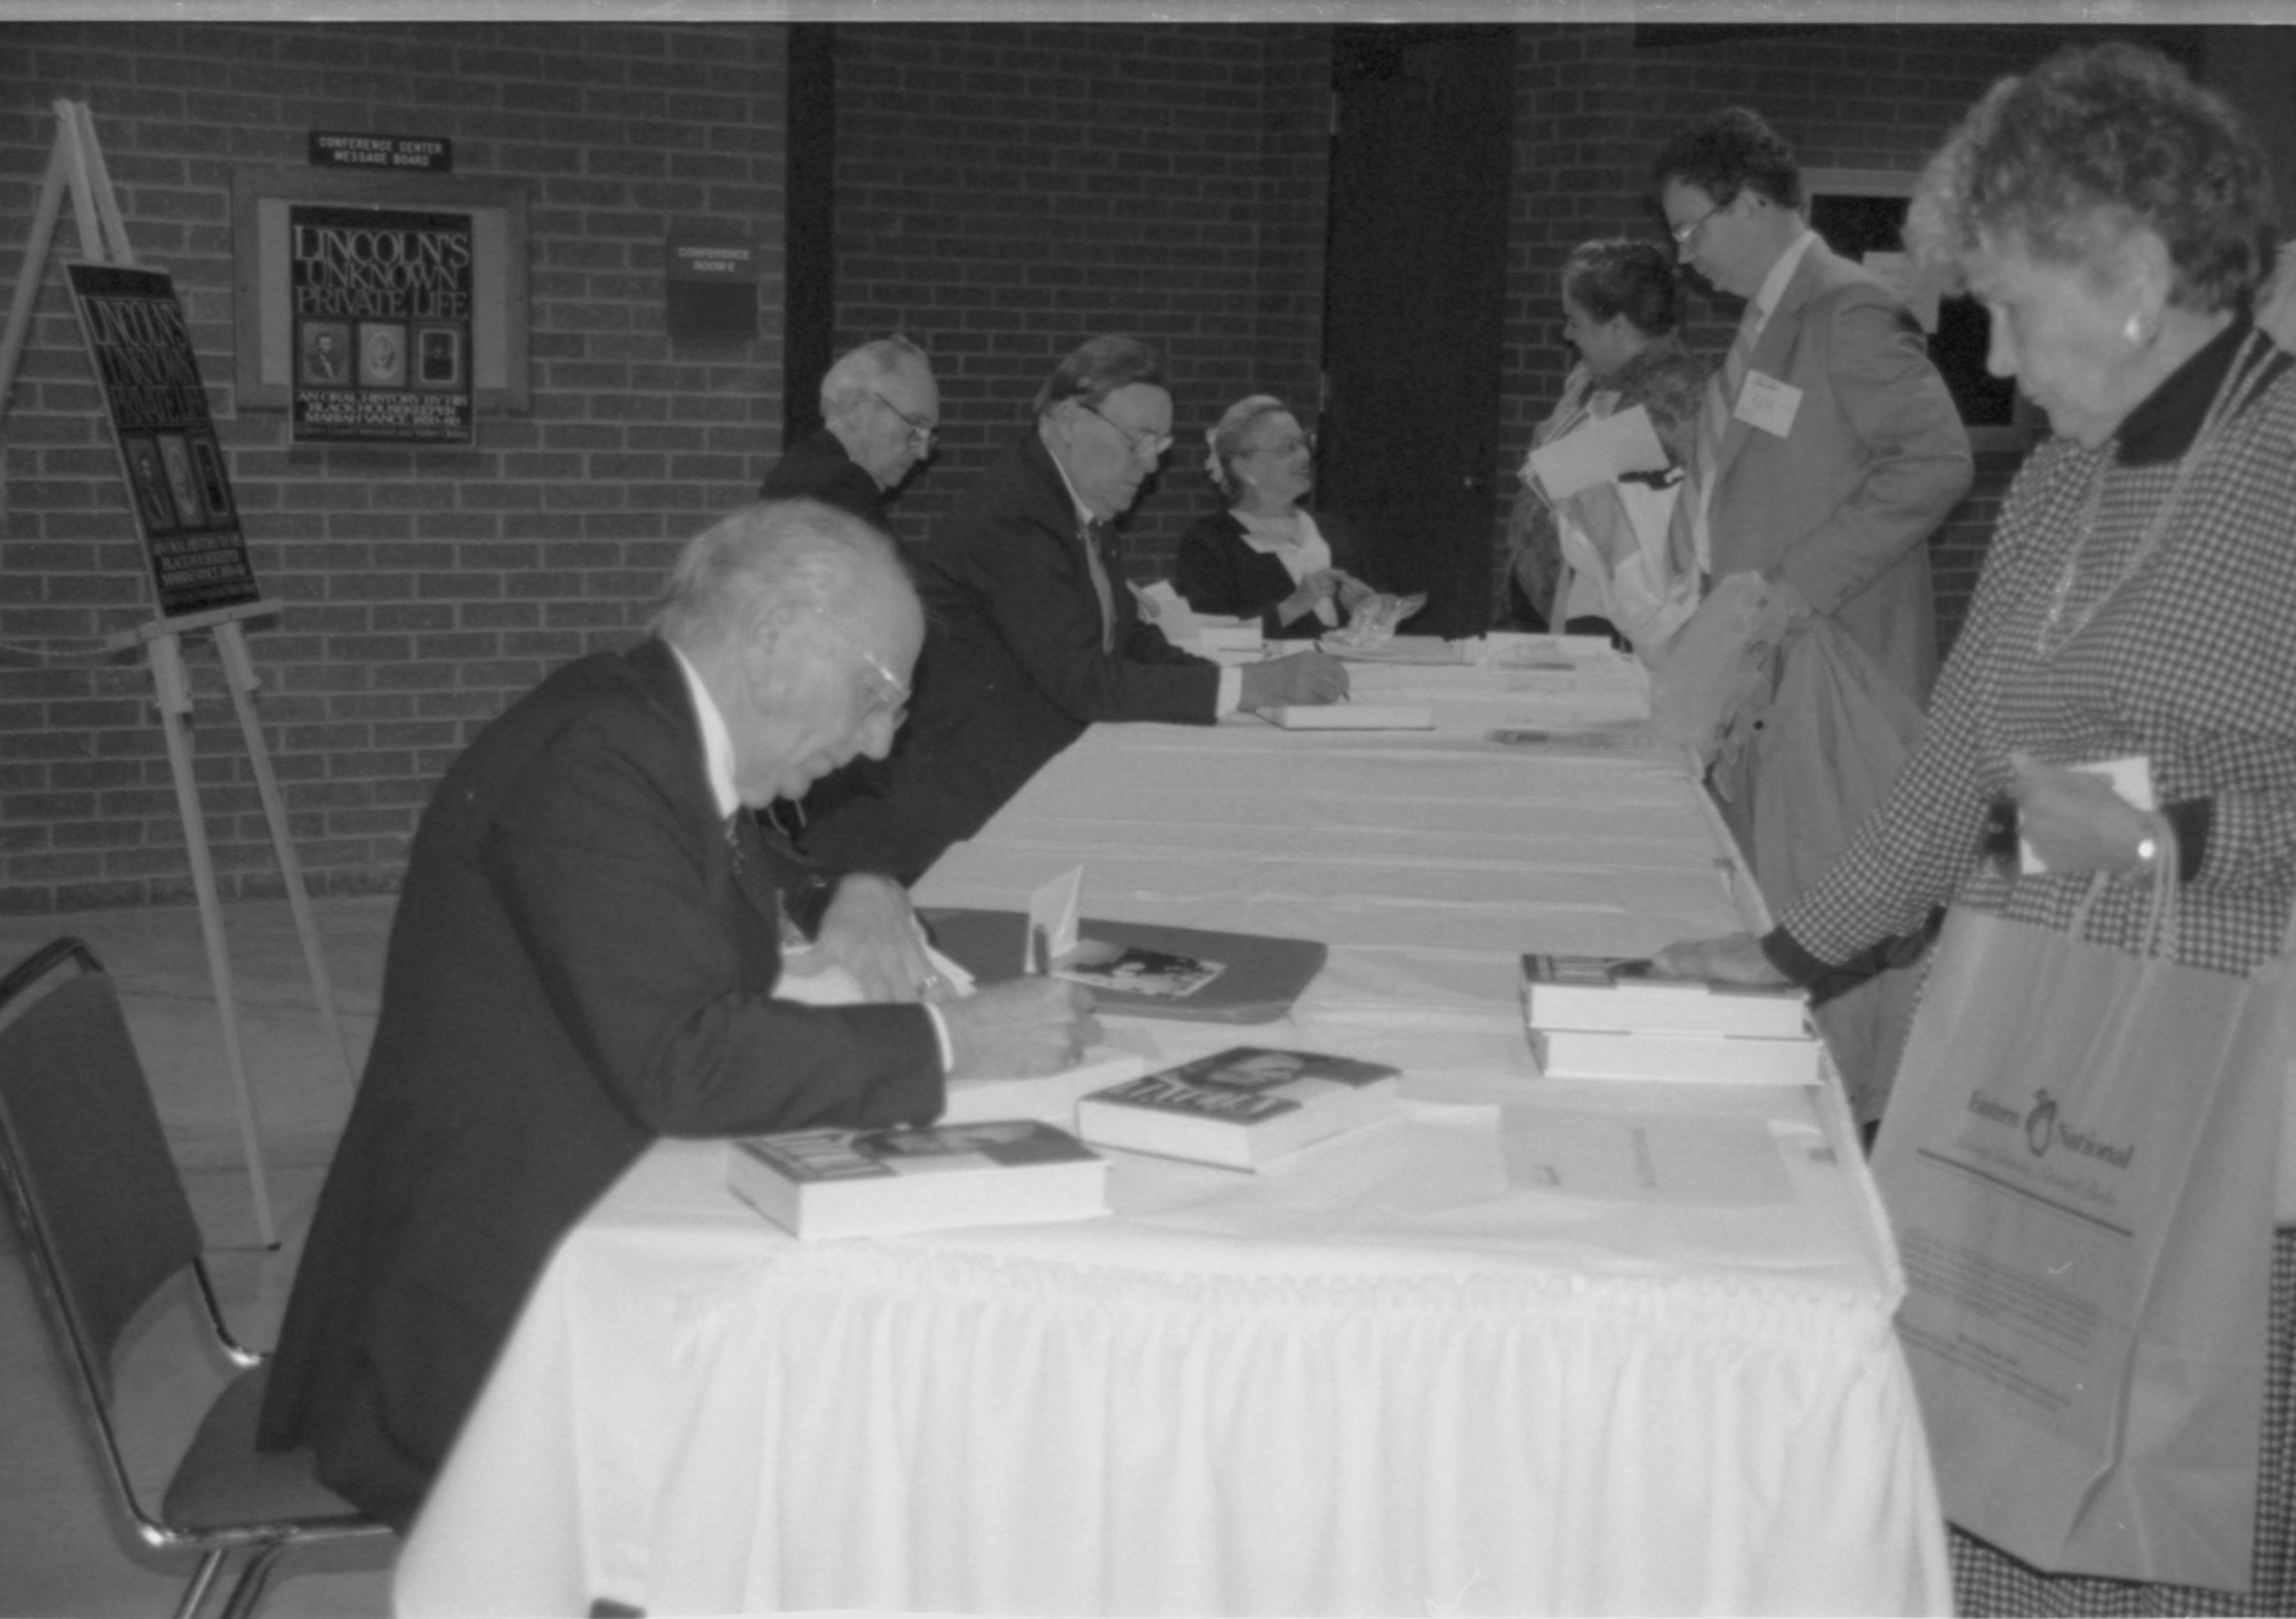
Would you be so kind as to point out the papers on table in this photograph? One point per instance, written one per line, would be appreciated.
(1698, 1160)
(1351, 717)
(1598, 453)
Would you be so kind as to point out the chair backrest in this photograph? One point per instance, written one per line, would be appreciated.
(99, 1198)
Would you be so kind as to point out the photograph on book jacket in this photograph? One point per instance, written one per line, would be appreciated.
(1136, 970)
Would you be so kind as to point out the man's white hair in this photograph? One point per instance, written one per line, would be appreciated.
(856, 374)
(769, 560)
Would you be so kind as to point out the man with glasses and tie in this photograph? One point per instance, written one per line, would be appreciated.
(584, 957)
(1032, 634)
(1827, 452)
(1830, 447)
(880, 409)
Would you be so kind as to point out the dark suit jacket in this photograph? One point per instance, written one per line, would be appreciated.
(817, 468)
(1011, 672)
(579, 964)
(1845, 503)
(1216, 573)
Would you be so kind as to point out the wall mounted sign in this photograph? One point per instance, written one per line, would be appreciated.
(141, 352)
(379, 307)
(402, 153)
(710, 283)
(381, 301)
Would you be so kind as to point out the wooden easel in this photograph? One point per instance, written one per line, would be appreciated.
(77, 165)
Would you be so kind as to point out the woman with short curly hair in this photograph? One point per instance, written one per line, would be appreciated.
(2138, 600)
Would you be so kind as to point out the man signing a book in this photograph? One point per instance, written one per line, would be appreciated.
(584, 959)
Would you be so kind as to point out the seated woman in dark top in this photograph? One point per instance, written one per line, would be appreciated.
(1265, 557)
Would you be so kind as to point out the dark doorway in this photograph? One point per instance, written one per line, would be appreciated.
(1415, 280)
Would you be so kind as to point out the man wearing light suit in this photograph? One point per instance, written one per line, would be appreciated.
(1843, 450)
(1829, 451)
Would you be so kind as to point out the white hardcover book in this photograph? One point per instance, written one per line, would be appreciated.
(1619, 994)
(1241, 1107)
(1350, 715)
(873, 1183)
(1725, 1059)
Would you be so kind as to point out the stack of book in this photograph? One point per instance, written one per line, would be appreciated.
(1239, 1107)
(1608, 1017)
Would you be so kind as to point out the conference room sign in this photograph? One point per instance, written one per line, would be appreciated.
(381, 302)
(140, 350)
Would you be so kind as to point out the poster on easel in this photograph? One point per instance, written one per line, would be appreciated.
(381, 302)
(140, 350)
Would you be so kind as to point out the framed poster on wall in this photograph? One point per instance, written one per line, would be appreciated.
(380, 308)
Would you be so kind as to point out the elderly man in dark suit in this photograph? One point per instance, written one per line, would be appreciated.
(1032, 634)
(880, 408)
(584, 959)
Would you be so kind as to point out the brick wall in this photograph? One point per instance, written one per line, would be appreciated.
(422, 588)
(1006, 192)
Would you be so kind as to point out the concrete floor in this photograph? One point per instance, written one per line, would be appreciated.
(64, 1551)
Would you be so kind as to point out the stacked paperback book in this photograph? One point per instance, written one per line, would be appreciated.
(1608, 1017)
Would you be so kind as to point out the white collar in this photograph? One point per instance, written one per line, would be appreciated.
(1083, 512)
(1774, 284)
(716, 740)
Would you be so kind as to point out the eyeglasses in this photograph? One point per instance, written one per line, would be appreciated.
(1148, 447)
(1682, 233)
(922, 431)
(893, 697)
(1292, 445)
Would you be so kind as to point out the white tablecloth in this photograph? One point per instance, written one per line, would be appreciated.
(1397, 1373)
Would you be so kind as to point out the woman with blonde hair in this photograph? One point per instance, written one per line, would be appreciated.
(1266, 556)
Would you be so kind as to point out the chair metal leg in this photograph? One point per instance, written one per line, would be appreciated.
(252, 1579)
(202, 1577)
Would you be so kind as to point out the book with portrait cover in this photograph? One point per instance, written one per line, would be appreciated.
(1239, 1107)
(1623, 995)
(877, 1182)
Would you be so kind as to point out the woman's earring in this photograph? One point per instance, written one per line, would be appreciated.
(2136, 332)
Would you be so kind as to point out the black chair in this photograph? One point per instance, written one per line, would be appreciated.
(106, 1225)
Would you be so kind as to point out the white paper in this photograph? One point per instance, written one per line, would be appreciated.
(1693, 1161)
(1053, 911)
(1597, 453)
(811, 979)
(2131, 776)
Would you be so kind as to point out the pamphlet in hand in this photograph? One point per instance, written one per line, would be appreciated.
(819, 1183)
(1597, 453)
(1239, 1107)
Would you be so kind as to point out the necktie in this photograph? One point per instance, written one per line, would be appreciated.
(1689, 543)
(1093, 534)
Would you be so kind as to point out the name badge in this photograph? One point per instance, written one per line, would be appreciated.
(1768, 404)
